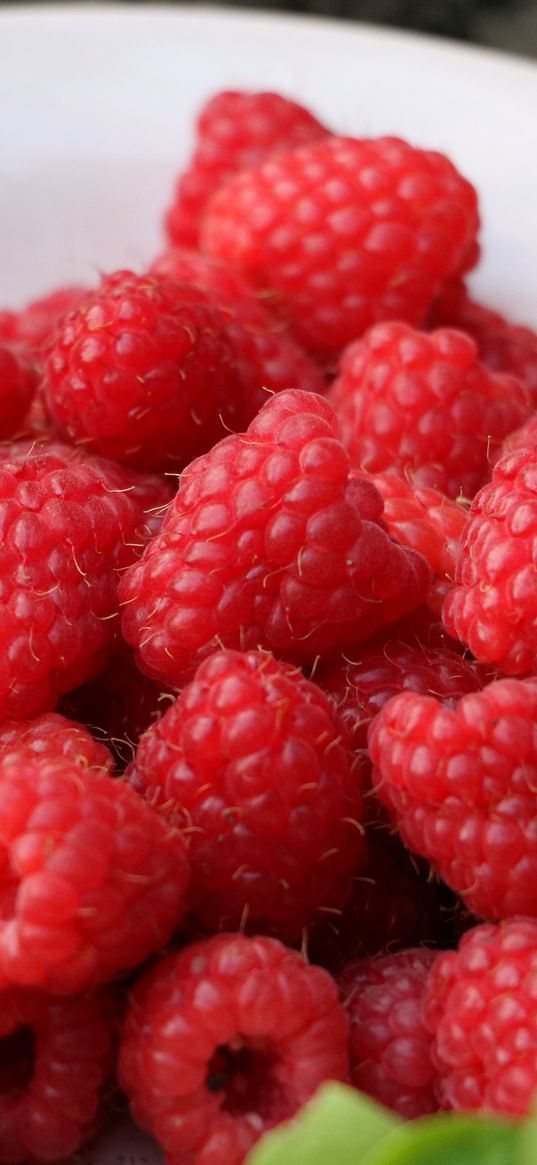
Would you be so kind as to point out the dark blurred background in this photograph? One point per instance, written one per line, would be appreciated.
(508, 25)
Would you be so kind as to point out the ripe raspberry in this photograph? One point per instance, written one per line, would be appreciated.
(92, 880)
(271, 360)
(460, 784)
(118, 706)
(67, 529)
(346, 233)
(362, 680)
(224, 1041)
(390, 1048)
(393, 904)
(479, 1006)
(494, 607)
(523, 438)
(53, 737)
(428, 521)
(17, 386)
(252, 764)
(422, 406)
(144, 372)
(502, 346)
(235, 130)
(268, 544)
(33, 326)
(54, 1060)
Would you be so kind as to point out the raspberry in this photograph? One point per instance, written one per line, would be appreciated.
(460, 784)
(234, 130)
(251, 762)
(392, 905)
(479, 1006)
(143, 372)
(428, 521)
(118, 706)
(54, 1060)
(67, 529)
(268, 544)
(523, 438)
(390, 1048)
(53, 737)
(92, 880)
(494, 607)
(346, 233)
(17, 385)
(362, 681)
(36, 322)
(224, 1041)
(502, 346)
(272, 360)
(423, 406)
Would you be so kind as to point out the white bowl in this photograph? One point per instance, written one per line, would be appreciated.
(100, 103)
(97, 106)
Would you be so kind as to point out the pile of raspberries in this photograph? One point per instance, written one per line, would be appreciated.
(268, 668)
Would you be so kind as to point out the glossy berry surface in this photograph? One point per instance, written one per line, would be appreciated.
(390, 1047)
(252, 764)
(268, 544)
(345, 233)
(423, 406)
(225, 1040)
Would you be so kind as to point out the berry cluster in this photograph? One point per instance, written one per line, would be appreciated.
(268, 516)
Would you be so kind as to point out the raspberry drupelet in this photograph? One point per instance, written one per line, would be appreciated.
(143, 371)
(493, 607)
(55, 1057)
(68, 529)
(225, 1040)
(344, 233)
(460, 785)
(423, 406)
(234, 130)
(92, 880)
(428, 521)
(53, 737)
(479, 1007)
(252, 764)
(268, 543)
(390, 1047)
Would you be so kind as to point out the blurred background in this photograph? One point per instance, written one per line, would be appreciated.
(509, 25)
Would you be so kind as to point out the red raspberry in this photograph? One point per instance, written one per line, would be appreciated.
(118, 706)
(346, 233)
(268, 544)
(144, 372)
(460, 784)
(502, 346)
(251, 763)
(494, 607)
(67, 529)
(52, 737)
(92, 880)
(363, 679)
(54, 1060)
(479, 1006)
(17, 386)
(33, 326)
(423, 406)
(393, 904)
(523, 438)
(224, 1041)
(390, 1047)
(272, 360)
(234, 130)
(428, 521)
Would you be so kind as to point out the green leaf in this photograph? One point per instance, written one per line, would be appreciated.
(338, 1125)
(449, 1139)
(527, 1153)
